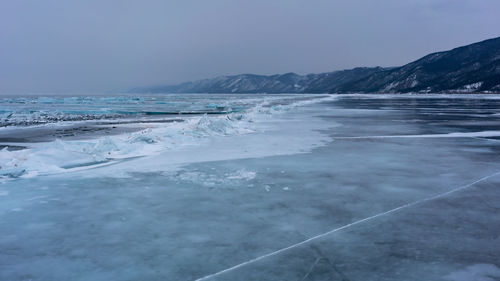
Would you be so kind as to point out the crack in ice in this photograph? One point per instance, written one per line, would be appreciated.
(347, 226)
(311, 269)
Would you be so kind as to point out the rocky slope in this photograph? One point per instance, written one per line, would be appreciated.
(472, 68)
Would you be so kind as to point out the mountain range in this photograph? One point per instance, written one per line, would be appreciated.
(471, 68)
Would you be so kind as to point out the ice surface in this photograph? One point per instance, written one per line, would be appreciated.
(233, 189)
(63, 156)
(479, 272)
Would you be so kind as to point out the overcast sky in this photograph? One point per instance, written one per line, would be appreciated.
(100, 46)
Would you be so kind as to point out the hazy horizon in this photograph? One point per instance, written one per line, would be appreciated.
(110, 46)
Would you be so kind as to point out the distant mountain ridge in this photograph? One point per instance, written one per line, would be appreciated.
(471, 68)
(278, 83)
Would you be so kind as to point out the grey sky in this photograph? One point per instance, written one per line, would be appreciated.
(102, 45)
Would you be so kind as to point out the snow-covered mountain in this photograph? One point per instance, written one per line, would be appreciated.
(472, 68)
(279, 83)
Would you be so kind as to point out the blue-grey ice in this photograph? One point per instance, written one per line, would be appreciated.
(250, 187)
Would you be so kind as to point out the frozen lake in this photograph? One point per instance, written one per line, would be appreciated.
(250, 187)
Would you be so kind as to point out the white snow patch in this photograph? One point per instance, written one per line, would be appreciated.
(473, 86)
(212, 179)
(391, 86)
(449, 135)
(241, 175)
